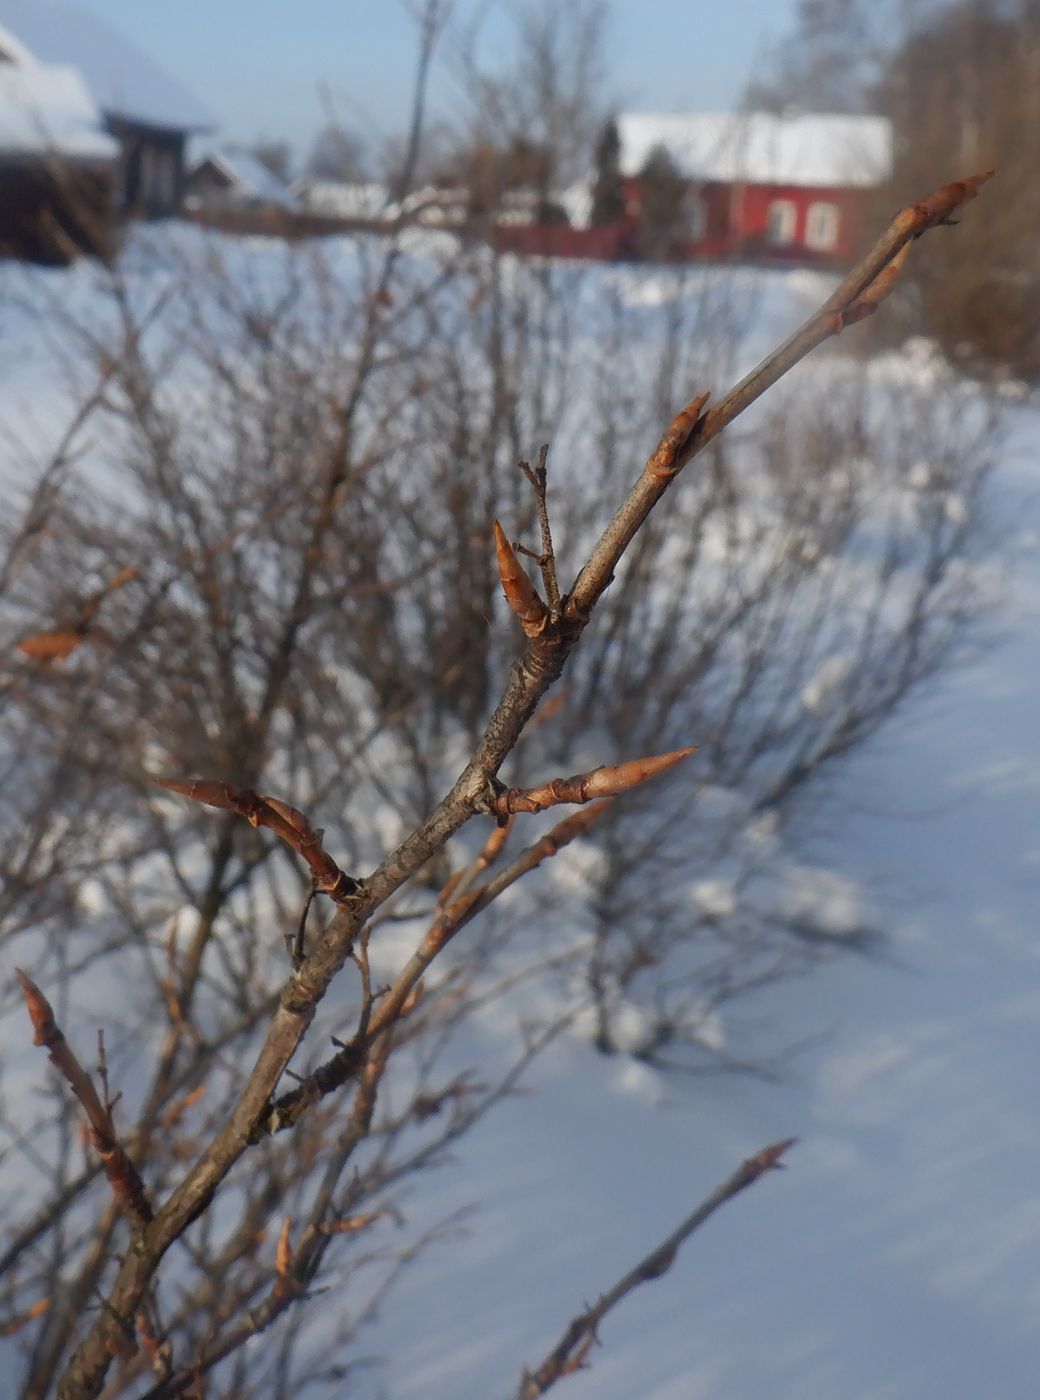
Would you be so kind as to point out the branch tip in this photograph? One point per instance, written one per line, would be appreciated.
(768, 1159)
(583, 787)
(288, 823)
(41, 1013)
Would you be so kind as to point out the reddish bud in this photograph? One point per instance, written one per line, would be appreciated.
(520, 592)
(666, 459)
(767, 1160)
(40, 1012)
(283, 1251)
(608, 782)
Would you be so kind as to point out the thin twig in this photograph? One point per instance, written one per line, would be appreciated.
(583, 787)
(288, 823)
(298, 940)
(401, 998)
(547, 559)
(571, 1352)
(120, 1170)
(858, 295)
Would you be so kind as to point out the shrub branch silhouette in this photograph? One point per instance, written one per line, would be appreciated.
(552, 629)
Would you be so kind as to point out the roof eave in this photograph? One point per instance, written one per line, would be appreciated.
(190, 128)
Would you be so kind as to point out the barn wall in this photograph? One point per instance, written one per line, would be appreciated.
(49, 216)
(750, 232)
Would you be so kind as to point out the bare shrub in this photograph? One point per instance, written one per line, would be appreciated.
(270, 579)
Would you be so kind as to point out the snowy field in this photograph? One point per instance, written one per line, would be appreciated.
(899, 1255)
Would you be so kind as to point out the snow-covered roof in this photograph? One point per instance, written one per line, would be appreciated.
(250, 175)
(341, 200)
(435, 204)
(760, 148)
(46, 108)
(123, 81)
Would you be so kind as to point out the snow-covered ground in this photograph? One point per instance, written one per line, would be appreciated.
(899, 1256)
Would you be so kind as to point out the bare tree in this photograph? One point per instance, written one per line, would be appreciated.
(535, 119)
(959, 82)
(664, 204)
(963, 81)
(830, 61)
(336, 154)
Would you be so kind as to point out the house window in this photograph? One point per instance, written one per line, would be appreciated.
(781, 221)
(145, 176)
(165, 192)
(821, 226)
(696, 217)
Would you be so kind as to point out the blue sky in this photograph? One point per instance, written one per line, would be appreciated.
(260, 64)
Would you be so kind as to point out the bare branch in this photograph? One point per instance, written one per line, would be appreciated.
(286, 822)
(571, 1352)
(121, 1172)
(255, 1112)
(537, 476)
(856, 297)
(583, 787)
(400, 998)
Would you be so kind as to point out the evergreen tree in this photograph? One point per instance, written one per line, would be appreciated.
(608, 196)
(664, 193)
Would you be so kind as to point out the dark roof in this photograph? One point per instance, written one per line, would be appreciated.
(122, 79)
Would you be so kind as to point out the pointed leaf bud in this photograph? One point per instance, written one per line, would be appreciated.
(520, 592)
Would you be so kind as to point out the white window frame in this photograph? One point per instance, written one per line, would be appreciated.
(781, 221)
(696, 216)
(822, 224)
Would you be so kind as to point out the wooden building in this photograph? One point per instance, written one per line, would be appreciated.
(57, 165)
(789, 188)
(754, 187)
(148, 113)
(232, 177)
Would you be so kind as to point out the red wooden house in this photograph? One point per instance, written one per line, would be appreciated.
(761, 188)
(764, 187)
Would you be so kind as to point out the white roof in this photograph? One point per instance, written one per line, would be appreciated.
(759, 148)
(123, 81)
(435, 204)
(45, 107)
(250, 174)
(343, 200)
